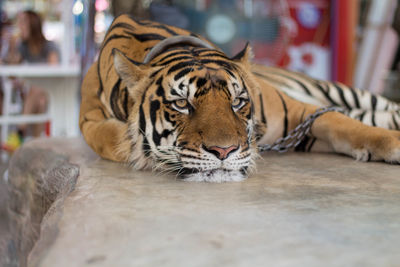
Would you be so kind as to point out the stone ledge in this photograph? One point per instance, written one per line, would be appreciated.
(40, 176)
(297, 210)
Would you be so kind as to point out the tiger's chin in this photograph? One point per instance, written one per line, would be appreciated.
(215, 176)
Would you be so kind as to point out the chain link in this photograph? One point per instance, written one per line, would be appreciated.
(297, 135)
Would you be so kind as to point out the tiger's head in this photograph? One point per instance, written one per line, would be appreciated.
(192, 113)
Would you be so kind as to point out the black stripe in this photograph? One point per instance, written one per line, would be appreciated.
(373, 118)
(311, 144)
(102, 112)
(302, 85)
(191, 80)
(221, 83)
(285, 118)
(361, 116)
(112, 37)
(173, 54)
(182, 73)
(274, 79)
(196, 51)
(166, 28)
(181, 65)
(142, 121)
(241, 54)
(263, 119)
(303, 144)
(325, 93)
(157, 137)
(342, 97)
(134, 62)
(167, 117)
(373, 102)
(160, 89)
(155, 73)
(395, 122)
(230, 73)
(173, 60)
(202, 91)
(137, 63)
(123, 25)
(387, 106)
(214, 54)
(223, 63)
(114, 97)
(201, 82)
(125, 102)
(100, 90)
(145, 37)
(369, 156)
(146, 147)
(174, 92)
(355, 97)
(154, 107)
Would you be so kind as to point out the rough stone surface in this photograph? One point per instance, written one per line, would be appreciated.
(39, 179)
(4, 229)
(297, 210)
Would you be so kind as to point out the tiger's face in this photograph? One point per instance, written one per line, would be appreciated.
(193, 115)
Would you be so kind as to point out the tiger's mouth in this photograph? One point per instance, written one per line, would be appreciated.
(213, 176)
(190, 165)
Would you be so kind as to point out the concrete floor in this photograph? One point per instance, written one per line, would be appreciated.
(297, 210)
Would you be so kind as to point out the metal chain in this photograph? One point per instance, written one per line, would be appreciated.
(297, 135)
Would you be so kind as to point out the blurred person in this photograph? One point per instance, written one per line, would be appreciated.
(32, 47)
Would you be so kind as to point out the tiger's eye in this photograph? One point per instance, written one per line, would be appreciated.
(181, 103)
(236, 102)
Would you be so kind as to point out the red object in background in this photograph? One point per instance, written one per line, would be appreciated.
(47, 128)
(307, 58)
(344, 13)
(309, 16)
(309, 48)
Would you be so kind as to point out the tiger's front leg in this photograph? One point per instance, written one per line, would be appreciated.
(348, 136)
(103, 133)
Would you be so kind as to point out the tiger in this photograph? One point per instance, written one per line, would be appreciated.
(163, 98)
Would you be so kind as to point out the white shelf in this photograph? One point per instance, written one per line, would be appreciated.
(39, 70)
(62, 85)
(21, 119)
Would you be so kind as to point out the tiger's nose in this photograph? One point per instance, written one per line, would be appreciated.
(220, 152)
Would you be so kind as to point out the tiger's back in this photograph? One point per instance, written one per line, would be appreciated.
(368, 108)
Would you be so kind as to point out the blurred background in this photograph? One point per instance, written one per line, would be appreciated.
(351, 41)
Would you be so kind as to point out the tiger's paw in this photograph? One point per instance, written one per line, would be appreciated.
(381, 146)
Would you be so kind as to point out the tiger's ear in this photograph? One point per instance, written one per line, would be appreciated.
(244, 56)
(130, 71)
